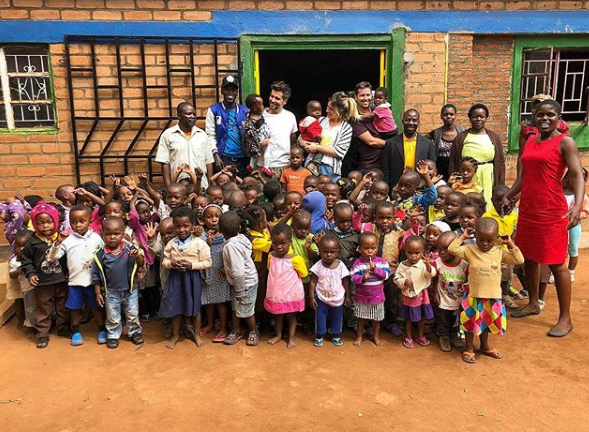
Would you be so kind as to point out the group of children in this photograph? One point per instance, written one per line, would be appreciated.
(427, 258)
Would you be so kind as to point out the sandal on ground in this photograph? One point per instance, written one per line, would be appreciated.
(318, 342)
(337, 341)
(522, 313)
(220, 338)
(493, 353)
(422, 341)
(233, 338)
(469, 357)
(205, 331)
(408, 343)
(253, 338)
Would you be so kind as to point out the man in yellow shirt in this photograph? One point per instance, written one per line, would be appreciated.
(404, 151)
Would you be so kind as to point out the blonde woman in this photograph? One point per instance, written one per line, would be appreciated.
(336, 135)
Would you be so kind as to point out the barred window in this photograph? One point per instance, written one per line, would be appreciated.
(562, 73)
(26, 96)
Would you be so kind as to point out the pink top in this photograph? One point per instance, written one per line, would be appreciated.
(285, 292)
(383, 118)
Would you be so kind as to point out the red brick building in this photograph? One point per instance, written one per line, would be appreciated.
(124, 65)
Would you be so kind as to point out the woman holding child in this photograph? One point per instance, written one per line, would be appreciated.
(336, 135)
(543, 212)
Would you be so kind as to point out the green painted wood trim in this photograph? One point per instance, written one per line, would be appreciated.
(580, 133)
(394, 44)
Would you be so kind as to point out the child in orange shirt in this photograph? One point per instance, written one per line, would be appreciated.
(293, 178)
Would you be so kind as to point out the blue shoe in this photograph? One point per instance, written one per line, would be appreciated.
(101, 337)
(77, 339)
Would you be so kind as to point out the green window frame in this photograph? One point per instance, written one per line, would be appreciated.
(393, 46)
(523, 44)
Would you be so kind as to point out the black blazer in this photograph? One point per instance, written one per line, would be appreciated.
(393, 164)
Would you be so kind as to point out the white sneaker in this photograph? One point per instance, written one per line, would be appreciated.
(509, 302)
(541, 304)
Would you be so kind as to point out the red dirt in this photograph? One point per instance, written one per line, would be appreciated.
(542, 384)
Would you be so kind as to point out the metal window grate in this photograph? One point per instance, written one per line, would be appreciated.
(26, 97)
(124, 91)
(564, 74)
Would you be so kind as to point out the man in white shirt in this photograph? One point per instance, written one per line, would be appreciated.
(185, 144)
(283, 127)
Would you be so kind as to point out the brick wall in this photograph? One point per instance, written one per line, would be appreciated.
(197, 10)
(37, 163)
(425, 57)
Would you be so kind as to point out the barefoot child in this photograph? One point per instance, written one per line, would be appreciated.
(285, 293)
(215, 290)
(115, 286)
(79, 247)
(413, 277)
(368, 274)
(329, 290)
(241, 274)
(184, 256)
(483, 311)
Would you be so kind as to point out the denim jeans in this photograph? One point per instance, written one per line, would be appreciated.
(328, 170)
(129, 301)
(328, 318)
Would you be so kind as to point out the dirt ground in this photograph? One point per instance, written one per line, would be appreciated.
(542, 384)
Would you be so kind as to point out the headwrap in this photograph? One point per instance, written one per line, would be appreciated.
(48, 209)
(314, 203)
(442, 226)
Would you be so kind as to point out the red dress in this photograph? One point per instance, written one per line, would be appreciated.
(542, 232)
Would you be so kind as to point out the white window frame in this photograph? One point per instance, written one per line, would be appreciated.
(9, 104)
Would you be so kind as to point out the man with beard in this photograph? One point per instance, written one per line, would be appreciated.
(283, 126)
(404, 151)
(224, 123)
(366, 149)
(185, 144)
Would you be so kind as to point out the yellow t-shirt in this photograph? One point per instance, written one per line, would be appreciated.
(261, 244)
(409, 145)
(507, 223)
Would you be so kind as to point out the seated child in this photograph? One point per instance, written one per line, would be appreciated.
(329, 290)
(23, 293)
(241, 274)
(79, 248)
(413, 277)
(115, 287)
(383, 121)
(310, 130)
(449, 288)
(285, 294)
(368, 273)
(256, 133)
(293, 178)
(482, 310)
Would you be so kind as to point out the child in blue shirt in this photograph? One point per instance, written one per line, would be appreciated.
(407, 188)
(115, 286)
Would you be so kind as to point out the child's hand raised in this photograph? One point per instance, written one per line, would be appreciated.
(61, 237)
(198, 172)
(468, 233)
(81, 191)
(437, 178)
(198, 230)
(308, 241)
(507, 241)
(130, 180)
(317, 237)
(143, 178)
(416, 211)
(150, 230)
(256, 174)
(454, 177)
(211, 236)
(428, 263)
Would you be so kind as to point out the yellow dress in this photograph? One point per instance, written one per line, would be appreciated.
(480, 147)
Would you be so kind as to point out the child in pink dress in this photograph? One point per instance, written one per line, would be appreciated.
(285, 293)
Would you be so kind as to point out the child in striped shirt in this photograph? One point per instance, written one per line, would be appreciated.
(369, 273)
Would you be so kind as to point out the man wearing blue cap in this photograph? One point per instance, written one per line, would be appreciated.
(223, 125)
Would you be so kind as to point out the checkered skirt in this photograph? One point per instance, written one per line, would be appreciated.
(480, 314)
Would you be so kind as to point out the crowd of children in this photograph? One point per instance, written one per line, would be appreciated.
(424, 259)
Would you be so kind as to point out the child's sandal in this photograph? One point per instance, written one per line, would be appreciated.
(468, 357)
(493, 353)
(337, 341)
(408, 343)
(318, 342)
(422, 341)
(253, 339)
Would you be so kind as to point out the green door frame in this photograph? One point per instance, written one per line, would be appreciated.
(393, 44)
(579, 132)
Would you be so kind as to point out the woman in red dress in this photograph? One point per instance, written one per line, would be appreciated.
(543, 218)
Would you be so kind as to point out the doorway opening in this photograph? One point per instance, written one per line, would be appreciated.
(317, 74)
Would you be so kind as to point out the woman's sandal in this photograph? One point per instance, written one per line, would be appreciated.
(469, 357)
(493, 353)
